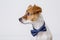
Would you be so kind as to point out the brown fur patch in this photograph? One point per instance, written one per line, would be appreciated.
(25, 17)
(32, 13)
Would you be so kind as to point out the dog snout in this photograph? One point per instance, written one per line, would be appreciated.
(20, 19)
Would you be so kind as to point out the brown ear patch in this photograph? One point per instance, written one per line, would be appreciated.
(34, 9)
(37, 9)
(30, 6)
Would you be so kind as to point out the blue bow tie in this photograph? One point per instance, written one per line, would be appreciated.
(34, 32)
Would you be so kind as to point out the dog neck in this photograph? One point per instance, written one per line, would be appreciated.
(37, 24)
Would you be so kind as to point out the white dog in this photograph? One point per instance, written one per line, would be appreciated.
(34, 17)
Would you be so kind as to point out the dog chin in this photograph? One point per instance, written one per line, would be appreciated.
(26, 21)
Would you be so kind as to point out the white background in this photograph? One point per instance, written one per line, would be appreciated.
(12, 10)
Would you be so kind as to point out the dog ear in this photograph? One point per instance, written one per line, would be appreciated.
(29, 6)
(37, 9)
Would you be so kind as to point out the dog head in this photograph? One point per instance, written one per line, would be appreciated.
(31, 15)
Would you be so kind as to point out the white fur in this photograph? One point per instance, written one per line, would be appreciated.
(42, 35)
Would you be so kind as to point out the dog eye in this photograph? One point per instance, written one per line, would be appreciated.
(28, 14)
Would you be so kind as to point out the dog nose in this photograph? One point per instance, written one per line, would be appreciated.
(20, 19)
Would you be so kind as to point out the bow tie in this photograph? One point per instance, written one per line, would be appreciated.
(34, 32)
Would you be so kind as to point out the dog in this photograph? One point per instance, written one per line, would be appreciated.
(33, 16)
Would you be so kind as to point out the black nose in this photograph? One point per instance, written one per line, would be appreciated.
(20, 19)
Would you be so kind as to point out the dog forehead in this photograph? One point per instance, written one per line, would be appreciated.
(30, 10)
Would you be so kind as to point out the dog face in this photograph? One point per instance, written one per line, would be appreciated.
(31, 15)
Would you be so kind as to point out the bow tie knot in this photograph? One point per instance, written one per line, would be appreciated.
(34, 32)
